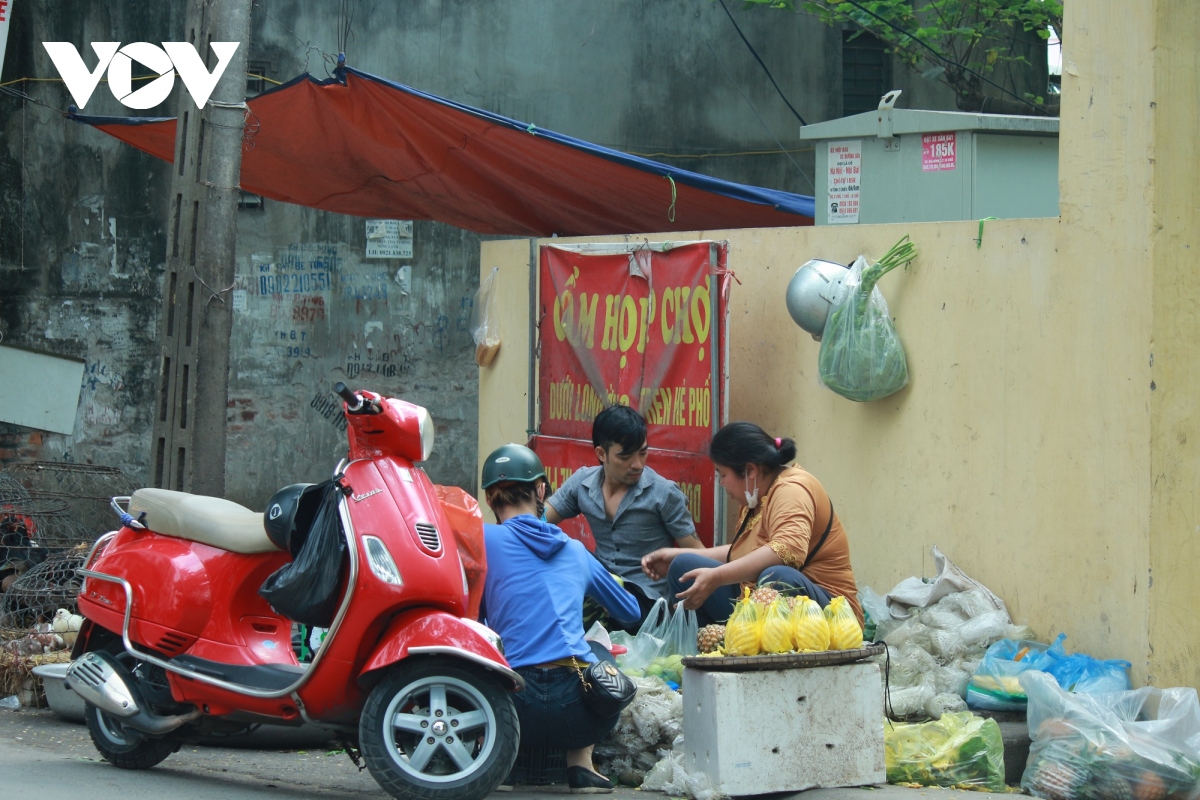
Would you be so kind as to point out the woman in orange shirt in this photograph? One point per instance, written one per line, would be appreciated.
(787, 533)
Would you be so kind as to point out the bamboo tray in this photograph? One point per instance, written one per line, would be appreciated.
(775, 661)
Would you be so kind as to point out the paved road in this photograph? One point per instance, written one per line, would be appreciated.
(44, 756)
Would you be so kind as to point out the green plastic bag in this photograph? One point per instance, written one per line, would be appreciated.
(960, 749)
(861, 356)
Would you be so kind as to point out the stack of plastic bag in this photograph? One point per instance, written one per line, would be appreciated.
(1142, 744)
(959, 750)
(937, 634)
(652, 722)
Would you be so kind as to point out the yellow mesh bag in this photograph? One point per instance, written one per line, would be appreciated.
(743, 632)
(777, 627)
(810, 629)
(844, 630)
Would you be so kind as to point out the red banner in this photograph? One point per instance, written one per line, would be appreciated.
(635, 328)
(643, 327)
(693, 473)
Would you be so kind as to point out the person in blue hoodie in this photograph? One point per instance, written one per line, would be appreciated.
(537, 578)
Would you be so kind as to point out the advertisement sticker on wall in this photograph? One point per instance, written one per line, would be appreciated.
(845, 180)
(939, 151)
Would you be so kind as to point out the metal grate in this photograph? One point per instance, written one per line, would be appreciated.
(429, 536)
(866, 72)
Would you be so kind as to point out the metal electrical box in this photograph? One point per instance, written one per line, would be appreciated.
(903, 165)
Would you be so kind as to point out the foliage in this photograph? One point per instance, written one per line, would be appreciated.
(960, 42)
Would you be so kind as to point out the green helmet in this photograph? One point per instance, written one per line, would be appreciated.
(512, 462)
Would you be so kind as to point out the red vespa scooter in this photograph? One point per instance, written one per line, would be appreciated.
(178, 643)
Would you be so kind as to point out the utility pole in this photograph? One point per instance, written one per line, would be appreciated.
(188, 447)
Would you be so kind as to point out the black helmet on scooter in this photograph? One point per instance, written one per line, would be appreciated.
(512, 462)
(290, 514)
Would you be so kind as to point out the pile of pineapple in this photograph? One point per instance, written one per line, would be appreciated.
(765, 621)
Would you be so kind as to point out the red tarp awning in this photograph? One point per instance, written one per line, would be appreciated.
(364, 146)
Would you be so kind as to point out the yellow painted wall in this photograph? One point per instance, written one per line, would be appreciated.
(1175, 471)
(1029, 445)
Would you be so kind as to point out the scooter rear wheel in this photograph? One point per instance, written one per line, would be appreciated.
(125, 747)
(437, 729)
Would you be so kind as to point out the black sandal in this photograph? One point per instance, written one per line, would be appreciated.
(581, 780)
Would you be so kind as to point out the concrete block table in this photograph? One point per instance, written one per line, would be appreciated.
(784, 730)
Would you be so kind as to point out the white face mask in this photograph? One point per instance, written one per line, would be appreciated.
(751, 497)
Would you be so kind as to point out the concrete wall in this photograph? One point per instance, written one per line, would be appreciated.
(82, 238)
(1044, 440)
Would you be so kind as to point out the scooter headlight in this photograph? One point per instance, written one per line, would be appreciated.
(380, 561)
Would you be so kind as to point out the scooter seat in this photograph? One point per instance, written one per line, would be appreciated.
(208, 520)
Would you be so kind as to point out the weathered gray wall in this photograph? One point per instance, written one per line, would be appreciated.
(645, 76)
(82, 238)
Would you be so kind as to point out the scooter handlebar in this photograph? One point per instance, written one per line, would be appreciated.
(353, 401)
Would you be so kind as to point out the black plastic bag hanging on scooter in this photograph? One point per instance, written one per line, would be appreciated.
(306, 589)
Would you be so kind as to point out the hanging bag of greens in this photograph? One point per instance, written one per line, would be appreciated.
(861, 355)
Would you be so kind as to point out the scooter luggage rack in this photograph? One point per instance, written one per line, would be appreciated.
(249, 691)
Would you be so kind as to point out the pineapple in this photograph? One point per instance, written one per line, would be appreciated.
(777, 628)
(844, 632)
(710, 637)
(1149, 786)
(1107, 785)
(1055, 780)
(764, 595)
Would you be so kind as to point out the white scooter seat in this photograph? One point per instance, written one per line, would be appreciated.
(208, 520)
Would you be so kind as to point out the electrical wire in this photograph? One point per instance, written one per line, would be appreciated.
(702, 156)
(325, 57)
(134, 78)
(782, 149)
(754, 53)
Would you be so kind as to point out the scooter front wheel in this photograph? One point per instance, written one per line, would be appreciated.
(438, 729)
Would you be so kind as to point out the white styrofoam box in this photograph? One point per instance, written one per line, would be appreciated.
(784, 730)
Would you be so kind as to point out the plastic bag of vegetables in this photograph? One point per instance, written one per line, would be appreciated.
(960, 749)
(861, 356)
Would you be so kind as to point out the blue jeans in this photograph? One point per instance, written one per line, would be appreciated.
(718, 605)
(552, 710)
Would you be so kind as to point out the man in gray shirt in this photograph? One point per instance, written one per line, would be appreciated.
(631, 509)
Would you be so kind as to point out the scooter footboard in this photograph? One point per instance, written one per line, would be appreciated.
(428, 632)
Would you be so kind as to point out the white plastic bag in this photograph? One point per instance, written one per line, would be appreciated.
(485, 325)
(914, 593)
(1141, 743)
(671, 776)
